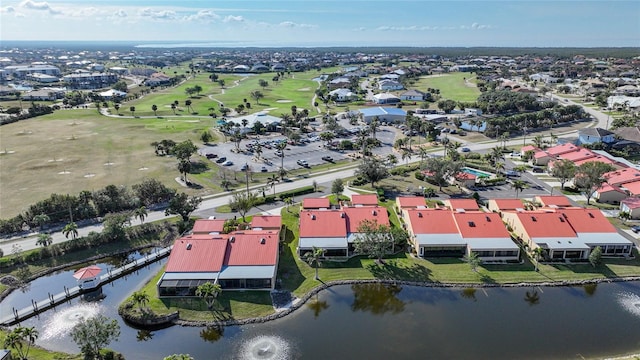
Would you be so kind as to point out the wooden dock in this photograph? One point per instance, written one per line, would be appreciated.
(67, 294)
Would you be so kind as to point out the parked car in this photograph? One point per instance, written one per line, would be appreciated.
(327, 158)
(511, 173)
(635, 228)
(278, 153)
(263, 169)
(211, 156)
(227, 163)
(303, 163)
(537, 169)
(221, 160)
(244, 167)
(465, 149)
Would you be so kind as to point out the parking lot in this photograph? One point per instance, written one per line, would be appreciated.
(310, 151)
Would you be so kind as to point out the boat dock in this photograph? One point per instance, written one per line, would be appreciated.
(36, 307)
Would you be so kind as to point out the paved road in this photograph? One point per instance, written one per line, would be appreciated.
(323, 178)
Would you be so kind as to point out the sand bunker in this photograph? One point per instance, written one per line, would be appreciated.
(305, 89)
(284, 101)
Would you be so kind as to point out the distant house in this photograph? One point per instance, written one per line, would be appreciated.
(501, 205)
(595, 135)
(343, 95)
(208, 227)
(609, 194)
(316, 204)
(461, 204)
(412, 95)
(410, 202)
(386, 85)
(385, 98)
(156, 79)
(364, 200)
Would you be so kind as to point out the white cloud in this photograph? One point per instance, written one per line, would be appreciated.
(476, 26)
(43, 6)
(84, 12)
(233, 18)
(7, 9)
(362, 28)
(291, 24)
(203, 15)
(405, 28)
(120, 13)
(157, 15)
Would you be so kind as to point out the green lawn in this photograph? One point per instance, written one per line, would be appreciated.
(37, 353)
(452, 86)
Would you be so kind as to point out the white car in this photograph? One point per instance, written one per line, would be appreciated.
(227, 163)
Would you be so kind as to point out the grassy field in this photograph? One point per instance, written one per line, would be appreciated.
(74, 150)
(36, 353)
(452, 86)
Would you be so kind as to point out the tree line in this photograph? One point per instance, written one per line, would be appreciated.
(86, 205)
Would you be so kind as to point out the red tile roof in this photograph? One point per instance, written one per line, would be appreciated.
(561, 149)
(206, 254)
(632, 203)
(542, 224)
(266, 222)
(206, 226)
(509, 204)
(599, 158)
(323, 223)
(579, 154)
(368, 199)
(315, 203)
(356, 215)
(622, 176)
(480, 225)
(587, 220)
(526, 148)
(466, 204)
(541, 154)
(555, 200)
(632, 187)
(411, 201)
(247, 249)
(608, 188)
(431, 221)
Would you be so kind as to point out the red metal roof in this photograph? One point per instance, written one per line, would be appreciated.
(622, 176)
(323, 223)
(480, 225)
(542, 224)
(508, 204)
(87, 272)
(553, 200)
(579, 154)
(633, 187)
(266, 222)
(247, 249)
(466, 204)
(367, 199)
(356, 215)
(205, 254)
(315, 203)
(587, 220)
(632, 203)
(432, 221)
(411, 201)
(206, 226)
(561, 149)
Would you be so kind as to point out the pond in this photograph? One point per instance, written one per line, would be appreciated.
(384, 322)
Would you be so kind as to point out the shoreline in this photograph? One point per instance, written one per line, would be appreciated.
(297, 303)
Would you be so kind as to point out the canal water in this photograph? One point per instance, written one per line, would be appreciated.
(375, 321)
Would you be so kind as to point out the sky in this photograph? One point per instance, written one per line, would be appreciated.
(308, 23)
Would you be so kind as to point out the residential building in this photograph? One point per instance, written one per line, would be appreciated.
(364, 200)
(595, 135)
(385, 98)
(461, 205)
(208, 227)
(412, 95)
(240, 260)
(316, 204)
(384, 115)
(90, 80)
(631, 205)
(501, 205)
(343, 95)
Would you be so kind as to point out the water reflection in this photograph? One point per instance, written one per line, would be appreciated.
(469, 293)
(212, 333)
(532, 297)
(377, 298)
(317, 306)
(144, 335)
(590, 289)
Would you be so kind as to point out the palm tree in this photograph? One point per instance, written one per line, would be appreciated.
(374, 126)
(538, 141)
(41, 220)
(44, 240)
(140, 213)
(313, 258)
(173, 107)
(209, 292)
(429, 192)
(117, 107)
(537, 254)
(272, 181)
(518, 185)
(473, 260)
(154, 107)
(406, 155)
(17, 338)
(281, 146)
(423, 152)
(133, 110)
(70, 229)
(140, 298)
(392, 159)
(187, 103)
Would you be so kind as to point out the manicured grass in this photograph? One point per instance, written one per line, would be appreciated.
(452, 86)
(66, 152)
